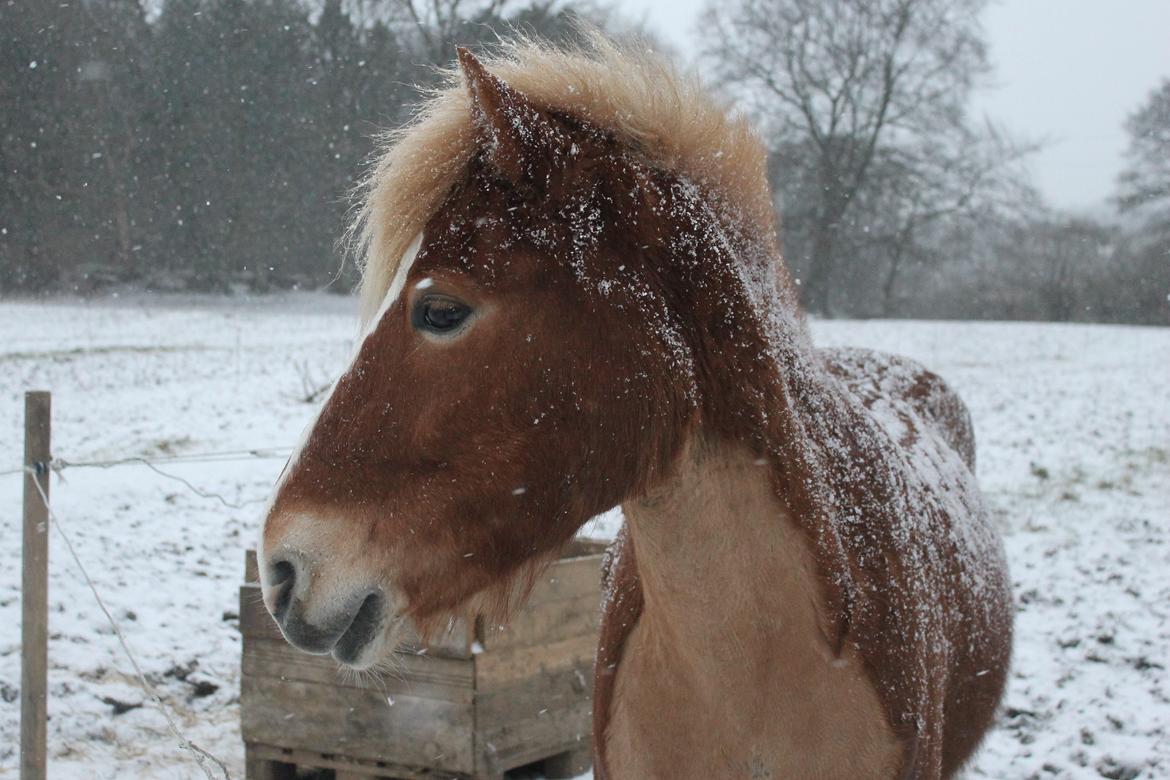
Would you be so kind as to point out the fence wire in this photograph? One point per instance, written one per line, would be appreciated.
(201, 756)
(225, 456)
(230, 456)
(58, 465)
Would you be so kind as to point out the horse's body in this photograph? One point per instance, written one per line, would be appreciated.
(574, 299)
(795, 705)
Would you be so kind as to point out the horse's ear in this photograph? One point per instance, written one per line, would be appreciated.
(514, 134)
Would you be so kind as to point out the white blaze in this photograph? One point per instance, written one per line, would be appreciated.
(396, 286)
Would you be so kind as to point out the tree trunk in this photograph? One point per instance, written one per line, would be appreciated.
(121, 208)
(820, 275)
(902, 242)
(890, 280)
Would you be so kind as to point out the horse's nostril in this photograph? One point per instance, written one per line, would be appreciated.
(361, 630)
(283, 581)
(281, 571)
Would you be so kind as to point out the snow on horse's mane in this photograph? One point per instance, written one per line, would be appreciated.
(665, 117)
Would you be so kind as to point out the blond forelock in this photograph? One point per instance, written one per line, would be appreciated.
(665, 117)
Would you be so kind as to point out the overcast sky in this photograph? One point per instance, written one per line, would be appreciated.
(1066, 71)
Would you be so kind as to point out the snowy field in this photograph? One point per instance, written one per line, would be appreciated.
(1073, 425)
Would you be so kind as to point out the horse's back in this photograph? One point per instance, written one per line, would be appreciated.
(880, 378)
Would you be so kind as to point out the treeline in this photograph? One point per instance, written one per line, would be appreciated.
(210, 145)
(897, 201)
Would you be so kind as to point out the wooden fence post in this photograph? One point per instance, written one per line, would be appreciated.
(34, 593)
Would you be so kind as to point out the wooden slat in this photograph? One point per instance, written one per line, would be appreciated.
(448, 679)
(357, 723)
(569, 578)
(251, 573)
(258, 767)
(254, 618)
(361, 768)
(563, 687)
(584, 545)
(495, 671)
(570, 763)
(546, 621)
(523, 742)
(455, 643)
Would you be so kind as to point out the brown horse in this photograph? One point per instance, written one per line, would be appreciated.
(574, 299)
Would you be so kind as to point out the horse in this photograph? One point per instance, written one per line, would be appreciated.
(573, 298)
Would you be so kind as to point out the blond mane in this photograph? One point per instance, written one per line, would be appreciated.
(665, 117)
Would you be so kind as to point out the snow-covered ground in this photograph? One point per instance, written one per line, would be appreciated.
(1074, 454)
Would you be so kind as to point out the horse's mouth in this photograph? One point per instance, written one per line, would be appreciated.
(366, 627)
(375, 633)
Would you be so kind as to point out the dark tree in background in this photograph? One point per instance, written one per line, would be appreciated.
(1144, 198)
(917, 196)
(43, 169)
(208, 144)
(1145, 182)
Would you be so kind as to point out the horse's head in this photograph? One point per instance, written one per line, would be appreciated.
(531, 366)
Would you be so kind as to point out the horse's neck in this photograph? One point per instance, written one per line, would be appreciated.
(717, 550)
(728, 671)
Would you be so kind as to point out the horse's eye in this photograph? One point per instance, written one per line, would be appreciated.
(437, 314)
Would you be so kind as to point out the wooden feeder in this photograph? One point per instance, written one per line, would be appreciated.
(476, 704)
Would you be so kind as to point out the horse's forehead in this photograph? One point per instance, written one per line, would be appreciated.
(478, 231)
(487, 227)
(480, 207)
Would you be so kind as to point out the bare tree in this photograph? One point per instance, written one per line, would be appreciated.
(1144, 185)
(1067, 256)
(960, 174)
(840, 85)
(437, 25)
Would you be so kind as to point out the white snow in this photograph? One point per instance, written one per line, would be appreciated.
(1073, 428)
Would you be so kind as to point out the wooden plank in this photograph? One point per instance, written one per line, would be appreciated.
(251, 572)
(257, 767)
(501, 669)
(548, 689)
(547, 621)
(569, 578)
(357, 723)
(522, 742)
(569, 764)
(256, 622)
(34, 588)
(254, 618)
(447, 679)
(342, 764)
(581, 546)
(456, 642)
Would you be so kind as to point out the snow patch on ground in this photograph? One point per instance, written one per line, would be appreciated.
(1073, 431)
